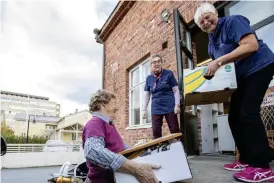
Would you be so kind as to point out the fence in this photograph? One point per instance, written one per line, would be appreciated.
(26, 148)
(267, 114)
(35, 155)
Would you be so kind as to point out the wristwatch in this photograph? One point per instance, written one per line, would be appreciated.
(219, 62)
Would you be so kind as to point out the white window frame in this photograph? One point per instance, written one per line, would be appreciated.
(143, 123)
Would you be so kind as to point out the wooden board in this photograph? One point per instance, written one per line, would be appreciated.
(151, 143)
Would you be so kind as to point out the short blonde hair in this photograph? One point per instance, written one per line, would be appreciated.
(99, 98)
(203, 8)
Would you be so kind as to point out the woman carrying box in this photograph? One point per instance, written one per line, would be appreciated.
(102, 143)
(231, 39)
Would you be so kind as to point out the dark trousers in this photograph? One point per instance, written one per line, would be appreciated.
(245, 121)
(157, 122)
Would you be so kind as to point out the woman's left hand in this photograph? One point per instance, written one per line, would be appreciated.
(212, 67)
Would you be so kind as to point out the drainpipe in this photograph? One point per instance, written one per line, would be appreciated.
(98, 40)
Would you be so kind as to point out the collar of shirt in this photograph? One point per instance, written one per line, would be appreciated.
(219, 26)
(101, 116)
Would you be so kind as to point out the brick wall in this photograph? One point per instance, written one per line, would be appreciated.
(140, 33)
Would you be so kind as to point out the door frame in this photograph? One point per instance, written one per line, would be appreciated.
(181, 46)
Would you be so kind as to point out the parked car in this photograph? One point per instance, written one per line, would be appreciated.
(3, 146)
(55, 146)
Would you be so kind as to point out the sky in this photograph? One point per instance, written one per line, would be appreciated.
(47, 48)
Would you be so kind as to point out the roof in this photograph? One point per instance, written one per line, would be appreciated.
(37, 118)
(115, 18)
(23, 95)
(73, 114)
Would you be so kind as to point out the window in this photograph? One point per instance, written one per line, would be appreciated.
(73, 136)
(137, 78)
(266, 34)
(250, 10)
(262, 24)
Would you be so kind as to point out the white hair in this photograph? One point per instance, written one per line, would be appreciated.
(203, 8)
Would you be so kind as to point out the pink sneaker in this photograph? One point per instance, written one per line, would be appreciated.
(251, 174)
(236, 166)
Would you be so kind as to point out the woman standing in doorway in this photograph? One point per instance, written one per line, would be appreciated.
(165, 97)
(231, 39)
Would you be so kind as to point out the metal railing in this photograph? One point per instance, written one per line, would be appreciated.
(26, 148)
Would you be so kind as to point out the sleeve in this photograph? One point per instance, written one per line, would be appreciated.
(126, 146)
(173, 81)
(146, 100)
(176, 93)
(237, 27)
(147, 88)
(97, 154)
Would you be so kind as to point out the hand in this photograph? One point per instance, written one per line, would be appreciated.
(212, 67)
(144, 114)
(177, 109)
(144, 173)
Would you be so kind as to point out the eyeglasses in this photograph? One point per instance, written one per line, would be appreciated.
(156, 62)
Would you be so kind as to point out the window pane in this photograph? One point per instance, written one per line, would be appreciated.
(255, 11)
(146, 70)
(135, 97)
(149, 117)
(135, 77)
(135, 116)
(266, 34)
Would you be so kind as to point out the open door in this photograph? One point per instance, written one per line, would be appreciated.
(184, 58)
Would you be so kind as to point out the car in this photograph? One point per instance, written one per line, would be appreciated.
(3, 146)
(56, 146)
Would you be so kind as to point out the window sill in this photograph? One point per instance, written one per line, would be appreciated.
(139, 127)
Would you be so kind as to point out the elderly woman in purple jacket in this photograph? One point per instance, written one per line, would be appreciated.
(102, 143)
(231, 39)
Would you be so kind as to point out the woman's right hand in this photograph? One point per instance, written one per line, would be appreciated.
(144, 173)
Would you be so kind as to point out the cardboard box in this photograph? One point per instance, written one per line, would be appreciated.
(200, 91)
(173, 161)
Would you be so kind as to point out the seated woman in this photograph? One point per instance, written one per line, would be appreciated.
(102, 142)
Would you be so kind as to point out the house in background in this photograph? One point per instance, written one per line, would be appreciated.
(69, 128)
(137, 29)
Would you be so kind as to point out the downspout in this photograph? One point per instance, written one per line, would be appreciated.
(103, 66)
(98, 40)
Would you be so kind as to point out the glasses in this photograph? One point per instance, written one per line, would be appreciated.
(156, 62)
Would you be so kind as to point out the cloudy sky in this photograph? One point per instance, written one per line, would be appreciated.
(47, 48)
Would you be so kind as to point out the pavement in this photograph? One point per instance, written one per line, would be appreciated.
(205, 169)
(209, 169)
(28, 175)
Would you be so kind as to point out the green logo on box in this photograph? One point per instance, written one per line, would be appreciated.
(228, 68)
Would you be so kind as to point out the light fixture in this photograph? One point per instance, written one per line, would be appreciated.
(165, 15)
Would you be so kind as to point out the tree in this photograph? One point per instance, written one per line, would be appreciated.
(11, 138)
(6, 130)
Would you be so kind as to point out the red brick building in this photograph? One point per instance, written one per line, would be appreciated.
(133, 32)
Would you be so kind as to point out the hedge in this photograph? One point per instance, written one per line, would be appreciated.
(12, 139)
